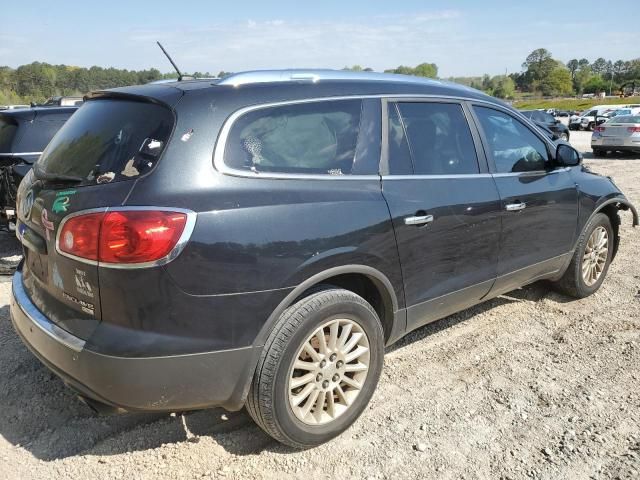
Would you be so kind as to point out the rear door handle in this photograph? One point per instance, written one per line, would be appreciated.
(514, 207)
(418, 220)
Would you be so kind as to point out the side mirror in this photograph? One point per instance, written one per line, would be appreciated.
(567, 156)
(600, 120)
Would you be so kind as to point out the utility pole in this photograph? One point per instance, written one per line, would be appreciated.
(610, 82)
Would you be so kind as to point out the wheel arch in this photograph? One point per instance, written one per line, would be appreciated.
(366, 281)
(611, 208)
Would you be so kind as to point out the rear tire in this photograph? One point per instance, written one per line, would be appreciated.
(283, 403)
(591, 126)
(591, 259)
(599, 153)
(564, 137)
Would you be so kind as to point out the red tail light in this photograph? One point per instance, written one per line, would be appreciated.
(599, 129)
(123, 237)
(633, 129)
(80, 235)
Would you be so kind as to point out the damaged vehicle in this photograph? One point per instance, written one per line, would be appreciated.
(24, 134)
(259, 240)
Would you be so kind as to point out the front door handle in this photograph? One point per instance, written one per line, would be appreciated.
(515, 207)
(418, 220)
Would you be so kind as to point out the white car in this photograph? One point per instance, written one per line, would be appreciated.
(621, 133)
(586, 121)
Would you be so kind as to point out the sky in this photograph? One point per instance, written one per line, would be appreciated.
(464, 38)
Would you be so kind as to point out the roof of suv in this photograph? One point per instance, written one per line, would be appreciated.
(310, 83)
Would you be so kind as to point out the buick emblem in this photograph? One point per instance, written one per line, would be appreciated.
(27, 205)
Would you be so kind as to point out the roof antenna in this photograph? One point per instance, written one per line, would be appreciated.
(180, 76)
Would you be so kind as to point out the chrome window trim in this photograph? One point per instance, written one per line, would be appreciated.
(435, 177)
(39, 320)
(177, 250)
(221, 143)
(17, 154)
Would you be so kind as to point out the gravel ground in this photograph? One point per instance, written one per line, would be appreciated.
(528, 385)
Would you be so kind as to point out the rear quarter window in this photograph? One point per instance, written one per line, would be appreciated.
(109, 140)
(305, 138)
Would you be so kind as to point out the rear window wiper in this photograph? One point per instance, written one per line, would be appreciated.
(54, 177)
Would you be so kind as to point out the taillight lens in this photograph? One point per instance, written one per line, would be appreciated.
(633, 129)
(599, 129)
(139, 236)
(80, 235)
(125, 237)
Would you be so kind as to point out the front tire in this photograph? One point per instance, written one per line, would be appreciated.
(591, 259)
(319, 368)
(564, 137)
(599, 153)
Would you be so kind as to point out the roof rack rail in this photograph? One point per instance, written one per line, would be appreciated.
(316, 75)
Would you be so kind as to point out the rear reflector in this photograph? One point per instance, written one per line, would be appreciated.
(122, 237)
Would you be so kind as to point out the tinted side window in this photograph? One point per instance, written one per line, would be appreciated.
(514, 147)
(310, 138)
(439, 138)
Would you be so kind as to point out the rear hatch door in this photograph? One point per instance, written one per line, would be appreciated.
(90, 164)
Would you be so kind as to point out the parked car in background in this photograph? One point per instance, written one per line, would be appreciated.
(561, 113)
(264, 253)
(621, 133)
(24, 134)
(558, 129)
(587, 121)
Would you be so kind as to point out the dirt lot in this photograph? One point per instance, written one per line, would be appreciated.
(529, 385)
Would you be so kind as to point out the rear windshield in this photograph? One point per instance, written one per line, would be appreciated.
(8, 129)
(626, 119)
(109, 140)
(36, 135)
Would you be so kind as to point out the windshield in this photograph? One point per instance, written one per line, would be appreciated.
(109, 140)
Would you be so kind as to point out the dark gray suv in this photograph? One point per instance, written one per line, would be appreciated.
(259, 240)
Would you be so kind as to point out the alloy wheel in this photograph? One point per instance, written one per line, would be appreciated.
(329, 371)
(595, 255)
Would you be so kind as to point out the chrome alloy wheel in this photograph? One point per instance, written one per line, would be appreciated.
(328, 372)
(595, 255)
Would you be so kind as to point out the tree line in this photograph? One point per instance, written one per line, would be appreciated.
(541, 75)
(38, 81)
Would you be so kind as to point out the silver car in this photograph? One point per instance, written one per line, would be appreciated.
(621, 133)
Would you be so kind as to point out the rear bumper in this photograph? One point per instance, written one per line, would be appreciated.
(623, 144)
(167, 383)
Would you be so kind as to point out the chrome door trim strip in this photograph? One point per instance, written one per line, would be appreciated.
(17, 154)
